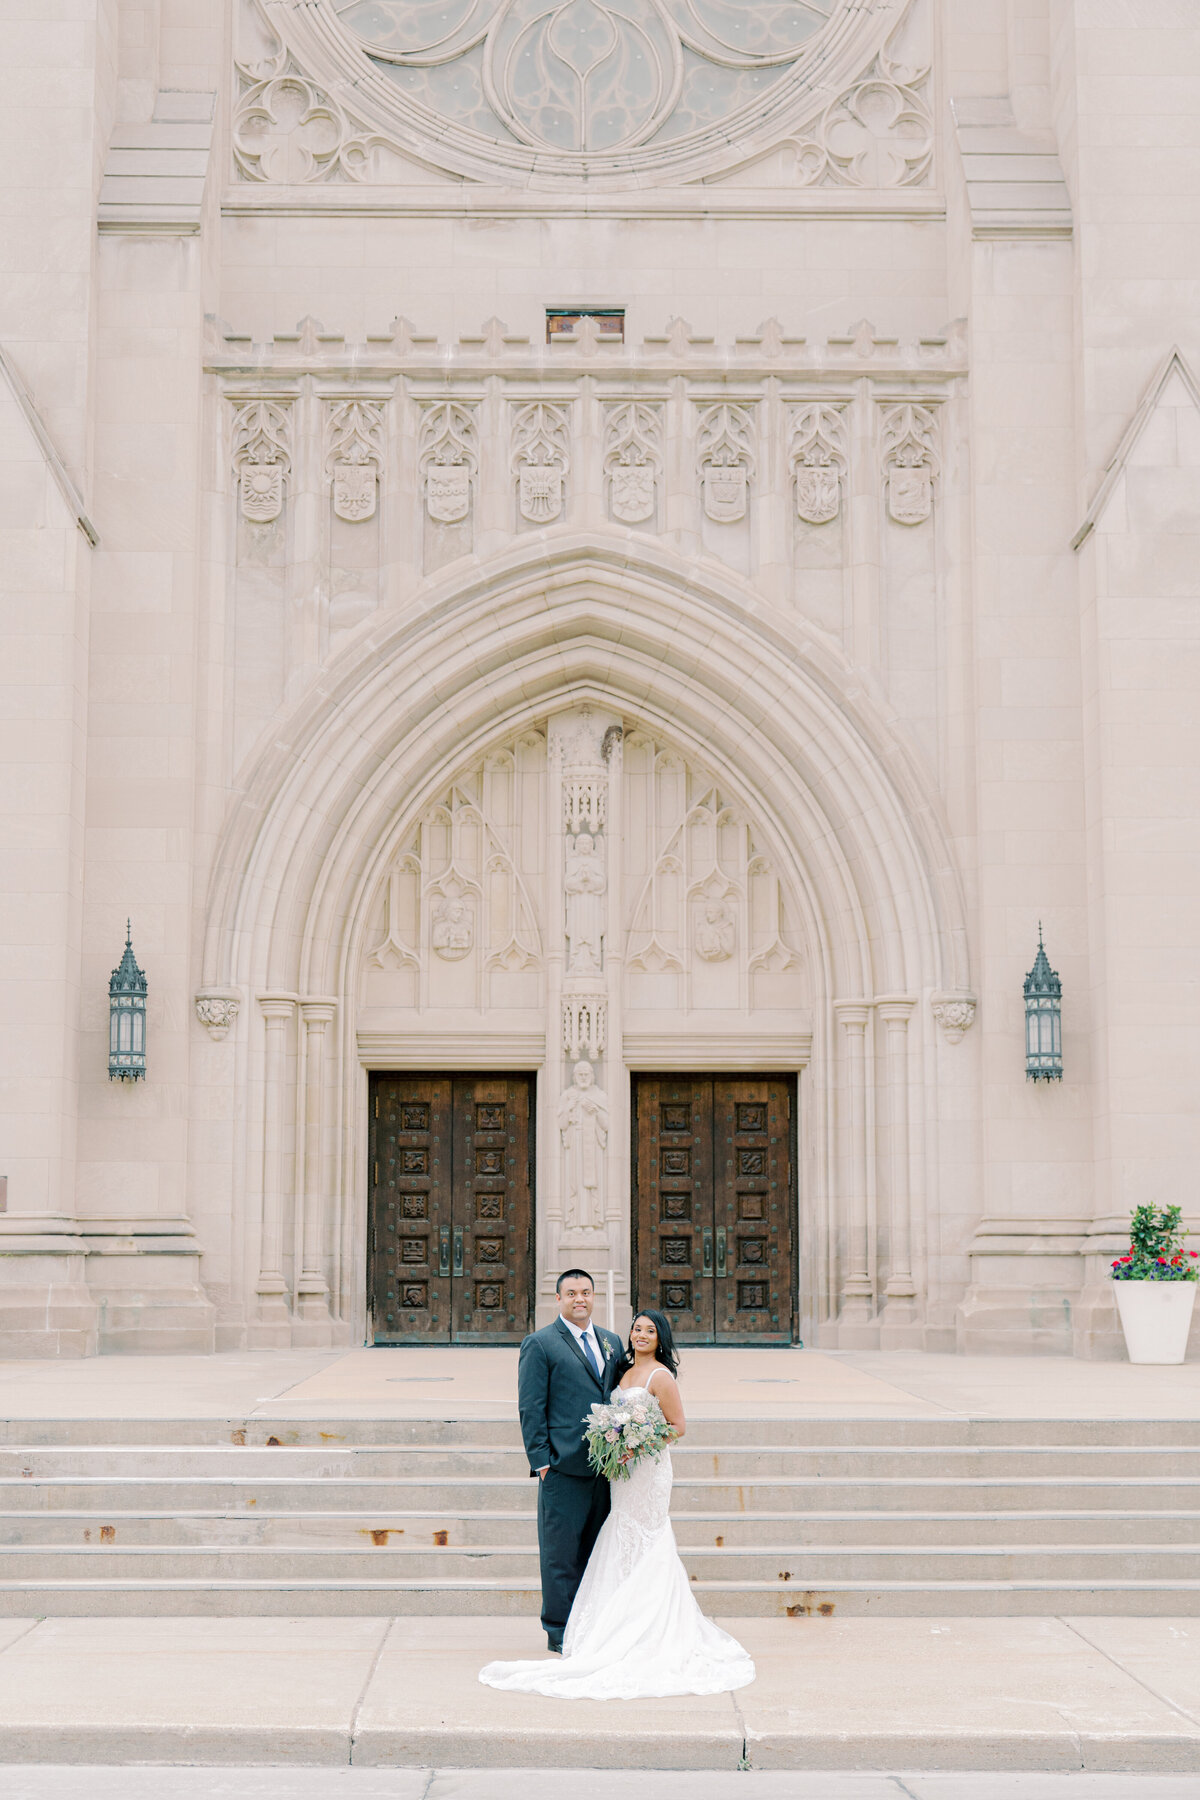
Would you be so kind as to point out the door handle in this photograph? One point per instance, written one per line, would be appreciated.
(458, 1249)
(720, 1249)
(444, 1250)
(706, 1240)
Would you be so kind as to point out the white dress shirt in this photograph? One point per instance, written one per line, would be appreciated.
(587, 1337)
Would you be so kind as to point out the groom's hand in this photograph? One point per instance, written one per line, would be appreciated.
(542, 1473)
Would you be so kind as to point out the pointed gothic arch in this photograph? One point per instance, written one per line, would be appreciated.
(770, 707)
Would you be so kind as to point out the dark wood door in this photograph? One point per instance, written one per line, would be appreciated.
(451, 1209)
(713, 1206)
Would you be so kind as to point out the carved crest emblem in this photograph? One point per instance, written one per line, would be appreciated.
(354, 490)
(910, 494)
(262, 492)
(725, 488)
(818, 492)
(448, 492)
(632, 491)
(541, 492)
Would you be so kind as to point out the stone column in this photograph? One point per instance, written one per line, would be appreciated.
(313, 1324)
(271, 1328)
(858, 1291)
(899, 1320)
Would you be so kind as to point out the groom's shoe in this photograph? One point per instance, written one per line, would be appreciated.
(554, 1644)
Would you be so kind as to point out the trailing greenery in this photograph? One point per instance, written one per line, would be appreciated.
(1156, 1251)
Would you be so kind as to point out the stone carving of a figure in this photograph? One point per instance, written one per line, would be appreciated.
(585, 884)
(583, 1127)
(453, 928)
(715, 931)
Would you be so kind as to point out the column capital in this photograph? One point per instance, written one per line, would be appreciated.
(853, 1013)
(895, 1009)
(277, 1006)
(318, 1012)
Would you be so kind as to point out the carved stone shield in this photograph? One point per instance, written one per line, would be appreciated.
(448, 492)
(262, 492)
(818, 492)
(725, 492)
(541, 492)
(354, 490)
(632, 491)
(910, 495)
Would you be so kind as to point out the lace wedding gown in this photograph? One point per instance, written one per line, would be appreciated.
(635, 1630)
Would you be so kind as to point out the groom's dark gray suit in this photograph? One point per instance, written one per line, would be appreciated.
(556, 1384)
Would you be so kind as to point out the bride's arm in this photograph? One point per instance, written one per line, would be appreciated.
(665, 1389)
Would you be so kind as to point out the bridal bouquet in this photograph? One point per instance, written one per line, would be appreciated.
(618, 1437)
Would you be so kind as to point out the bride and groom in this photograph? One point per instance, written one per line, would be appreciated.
(617, 1605)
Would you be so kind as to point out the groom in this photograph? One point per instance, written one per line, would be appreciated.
(563, 1370)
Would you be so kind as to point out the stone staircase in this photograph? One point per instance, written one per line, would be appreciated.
(901, 1517)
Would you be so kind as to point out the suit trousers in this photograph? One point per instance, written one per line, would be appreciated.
(571, 1510)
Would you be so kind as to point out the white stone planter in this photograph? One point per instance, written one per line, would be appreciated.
(1155, 1317)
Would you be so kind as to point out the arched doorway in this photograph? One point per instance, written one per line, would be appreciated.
(802, 949)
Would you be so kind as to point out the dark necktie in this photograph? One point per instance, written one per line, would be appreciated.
(591, 1355)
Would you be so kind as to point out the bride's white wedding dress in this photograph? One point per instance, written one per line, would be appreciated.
(635, 1631)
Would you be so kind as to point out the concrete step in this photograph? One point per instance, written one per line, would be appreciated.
(504, 1432)
(479, 1596)
(471, 1493)
(731, 1462)
(802, 1565)
(351, 1530)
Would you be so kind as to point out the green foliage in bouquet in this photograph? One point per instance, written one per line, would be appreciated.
(1156, 1251)
(618, 1437)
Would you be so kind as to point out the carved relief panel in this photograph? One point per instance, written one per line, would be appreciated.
(633, 460)
(708, 925)
(458, 923)
(261, 457)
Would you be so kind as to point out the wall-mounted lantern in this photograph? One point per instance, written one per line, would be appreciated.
(127, 1018)
(1043, 1020)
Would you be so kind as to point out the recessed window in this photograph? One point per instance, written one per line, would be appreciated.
(610, 319)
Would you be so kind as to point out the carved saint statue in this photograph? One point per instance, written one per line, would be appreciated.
(583, 1127)
(585, 884)
(453, 928)
(715, 931)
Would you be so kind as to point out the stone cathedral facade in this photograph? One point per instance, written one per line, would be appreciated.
(587, 574)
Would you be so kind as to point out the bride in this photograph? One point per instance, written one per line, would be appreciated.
(635, 1630)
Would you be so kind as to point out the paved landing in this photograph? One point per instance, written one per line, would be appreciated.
(1046, 1694)
(481, 1383)
(46, 1782)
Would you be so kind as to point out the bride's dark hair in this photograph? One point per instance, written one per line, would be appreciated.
(664, 1350)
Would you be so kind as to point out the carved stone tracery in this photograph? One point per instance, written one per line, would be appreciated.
(448, 457)
(633, 460)
(623, 91)
(541, 459)
(261, 457)
(355, 457)
(910, 461)
(726, 461)
(818, 454)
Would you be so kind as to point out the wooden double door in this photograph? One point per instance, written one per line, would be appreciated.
(713, 1206)
(451, 1209)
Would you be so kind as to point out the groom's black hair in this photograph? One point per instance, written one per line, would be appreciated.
(572, 1275)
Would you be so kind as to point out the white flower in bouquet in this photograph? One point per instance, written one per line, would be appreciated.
(619, 1437)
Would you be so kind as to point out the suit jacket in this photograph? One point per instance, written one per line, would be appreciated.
(556, 1385)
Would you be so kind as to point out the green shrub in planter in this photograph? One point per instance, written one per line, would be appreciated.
(1156, 1251)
